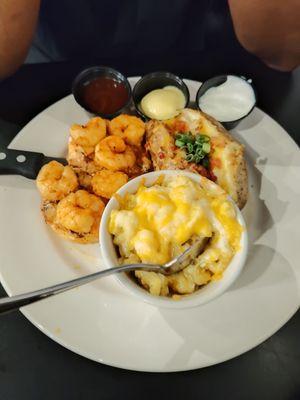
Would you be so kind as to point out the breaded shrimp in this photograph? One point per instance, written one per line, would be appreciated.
(112, 153)
(55, 181)
(143, 163)
(84, 179)
(105, 183)
(79, 160)
(76, 217)
(128, 127)
(87, 136)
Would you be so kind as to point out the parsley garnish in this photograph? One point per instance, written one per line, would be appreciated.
(196, 147)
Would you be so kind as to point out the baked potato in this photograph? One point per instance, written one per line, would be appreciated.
(225, 161)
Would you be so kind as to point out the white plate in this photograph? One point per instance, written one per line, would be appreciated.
(101, 320)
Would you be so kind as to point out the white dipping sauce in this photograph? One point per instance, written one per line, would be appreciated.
(230, 101)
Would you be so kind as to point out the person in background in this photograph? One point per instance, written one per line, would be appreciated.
(55, 30)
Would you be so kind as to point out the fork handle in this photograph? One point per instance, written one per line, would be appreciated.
(8, 304)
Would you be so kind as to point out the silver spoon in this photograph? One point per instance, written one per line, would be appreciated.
(8, 304)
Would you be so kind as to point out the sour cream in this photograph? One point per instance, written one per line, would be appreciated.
(229, 101)
(163, 103)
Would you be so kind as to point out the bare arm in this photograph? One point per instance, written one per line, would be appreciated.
(269, 29)
(17, 25)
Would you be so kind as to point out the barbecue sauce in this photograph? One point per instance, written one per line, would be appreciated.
(105, 95)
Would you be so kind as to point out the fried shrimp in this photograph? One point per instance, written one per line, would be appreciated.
(114, 154)
(87, 136)
(55, 181)
(79, 161)
(128, 127)
(105, 183)
(143, 163)
(76, 217)
(84, 179)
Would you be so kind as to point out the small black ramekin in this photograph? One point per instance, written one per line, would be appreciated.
(216, 81)
(157, 80)
(88, 75)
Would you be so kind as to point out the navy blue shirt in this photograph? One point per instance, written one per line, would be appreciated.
(71, 29)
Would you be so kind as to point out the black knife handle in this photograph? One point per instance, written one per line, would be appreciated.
(19, 162)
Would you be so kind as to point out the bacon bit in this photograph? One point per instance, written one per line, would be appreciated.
(177, 127)
(217, 142)
(215, 162)
(212, 176)
(161, 155)
(202, 171)
(180, 126)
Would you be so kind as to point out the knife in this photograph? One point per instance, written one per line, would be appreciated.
(25, 163)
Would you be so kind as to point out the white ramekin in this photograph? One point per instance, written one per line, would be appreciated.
(201, 296)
